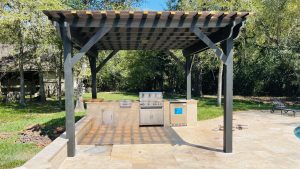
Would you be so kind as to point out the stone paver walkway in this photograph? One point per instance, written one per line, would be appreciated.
(261, 140)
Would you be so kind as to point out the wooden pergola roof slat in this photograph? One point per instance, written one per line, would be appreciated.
(170, 27)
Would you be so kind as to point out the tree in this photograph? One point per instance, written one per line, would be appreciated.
(267, 52)
(103, 4)
(204, 5)
(23, 26)
(269, 49)
(13, 24)
(220, 79)
(44, 45)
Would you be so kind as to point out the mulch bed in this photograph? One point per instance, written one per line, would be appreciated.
(35, 134)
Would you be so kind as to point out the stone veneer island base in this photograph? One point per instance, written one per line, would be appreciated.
(111, 113)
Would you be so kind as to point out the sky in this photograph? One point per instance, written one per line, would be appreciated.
(154, 5)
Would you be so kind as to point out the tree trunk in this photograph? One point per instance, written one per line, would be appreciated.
(162, 82)
(195, 82)
(200, 83)
(21, 68)
(42, 86)
(94, 85)
(219, 95)
(32, 87)
(22, 85)
(79, 100)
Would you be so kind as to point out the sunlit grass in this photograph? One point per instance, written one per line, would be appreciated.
(14, 119)
(114, 95)
(208, 107)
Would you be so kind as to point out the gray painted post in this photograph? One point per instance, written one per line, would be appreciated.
(188, 67)
(69, 90)
(94, 77)
(227, 47)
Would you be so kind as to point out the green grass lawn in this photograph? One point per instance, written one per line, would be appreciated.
(14, 119)
(208, 109)
(114, 96)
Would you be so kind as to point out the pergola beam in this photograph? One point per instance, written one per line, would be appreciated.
(100, 66)
(148, 23)
(90, 53)
(219, 36)
(133, 18)
(94, 39)
(210, 44)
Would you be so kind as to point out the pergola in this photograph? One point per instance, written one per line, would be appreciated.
(191, 32)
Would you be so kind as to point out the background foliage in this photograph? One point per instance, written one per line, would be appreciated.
(266, 59)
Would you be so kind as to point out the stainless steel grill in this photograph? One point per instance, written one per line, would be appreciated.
(151, 100)
(151, 108)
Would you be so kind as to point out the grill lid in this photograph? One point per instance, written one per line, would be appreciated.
(151, 99)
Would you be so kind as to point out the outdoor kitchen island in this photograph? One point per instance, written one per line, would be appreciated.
(151, 110)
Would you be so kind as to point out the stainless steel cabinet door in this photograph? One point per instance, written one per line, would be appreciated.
(107, 117)
(158, 117)
(145, 117)
(151, 117)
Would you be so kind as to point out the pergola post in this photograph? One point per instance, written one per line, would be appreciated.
(227, 47)
(188, 74)
(69, 62)
(95, 69)
(93, 65)
(69, 90)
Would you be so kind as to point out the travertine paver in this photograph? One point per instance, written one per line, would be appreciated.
(266, 141)
(104, 135)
